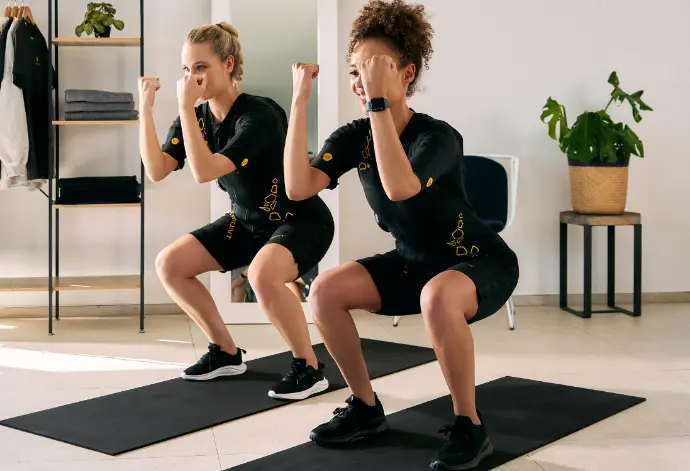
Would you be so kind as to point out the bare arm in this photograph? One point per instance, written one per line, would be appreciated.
(158, 164)
(302, 181)
(205, 165)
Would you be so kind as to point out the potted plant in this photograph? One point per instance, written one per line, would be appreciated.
(99, 19)
(598, 151)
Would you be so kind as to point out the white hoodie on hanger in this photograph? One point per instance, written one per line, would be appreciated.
(14, 133)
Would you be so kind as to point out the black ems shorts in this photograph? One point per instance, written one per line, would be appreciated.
(233, 246)
(400, 282)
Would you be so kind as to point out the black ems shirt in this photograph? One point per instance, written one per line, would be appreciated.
(438, 226)
(252, 135)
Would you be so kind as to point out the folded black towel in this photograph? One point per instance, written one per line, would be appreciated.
(82, 106)
(98, 190)
(97, 96)
(102, 115)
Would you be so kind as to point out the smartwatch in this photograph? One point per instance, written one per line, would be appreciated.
(377, 104)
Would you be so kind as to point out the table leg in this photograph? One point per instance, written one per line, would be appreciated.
(587, 308)
(611, 267)
(637, 268)
(563, 244)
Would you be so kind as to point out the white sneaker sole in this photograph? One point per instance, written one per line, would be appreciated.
(232, 370)
(298, 396)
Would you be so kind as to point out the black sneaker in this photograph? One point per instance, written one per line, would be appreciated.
(215, 363)
(465, 445)
(351, 423)
(301, 382)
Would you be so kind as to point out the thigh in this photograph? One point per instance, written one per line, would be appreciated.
(185, 257)
(274, 262)
(349, 285)
(306, 241)
(228, 242)
(398, 283)
(495, 279)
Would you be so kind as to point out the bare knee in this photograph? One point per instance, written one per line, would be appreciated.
(325, 295)
(446, 299)
(263, 279)
(167, 264)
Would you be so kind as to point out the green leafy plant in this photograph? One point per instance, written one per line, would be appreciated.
(98, 20)
(594, 135)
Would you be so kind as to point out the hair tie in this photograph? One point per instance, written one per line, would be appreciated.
(220, 26)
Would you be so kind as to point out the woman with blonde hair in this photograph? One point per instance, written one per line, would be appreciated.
(238, 140)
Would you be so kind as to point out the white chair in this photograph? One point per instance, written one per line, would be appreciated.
(500, 216)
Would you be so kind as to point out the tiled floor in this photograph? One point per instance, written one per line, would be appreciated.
(649, 357)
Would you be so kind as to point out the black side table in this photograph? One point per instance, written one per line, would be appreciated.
(587, 221)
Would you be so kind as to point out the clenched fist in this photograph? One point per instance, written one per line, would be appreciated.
(148, 86)
(379, 75)
(303, 75)
(189, 90)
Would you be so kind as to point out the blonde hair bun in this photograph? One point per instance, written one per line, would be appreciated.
(225, 26)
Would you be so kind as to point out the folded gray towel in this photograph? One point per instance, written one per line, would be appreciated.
(102, 116)
(98, 96)
(81, 106)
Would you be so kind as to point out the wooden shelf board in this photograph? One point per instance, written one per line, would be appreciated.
(98, 205)
(70, 283)
(94, 123)
(98, 42)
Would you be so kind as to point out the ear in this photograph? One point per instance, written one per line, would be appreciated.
(230, 63)
(409, 72)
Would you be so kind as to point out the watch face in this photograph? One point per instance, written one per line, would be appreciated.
(377, 104)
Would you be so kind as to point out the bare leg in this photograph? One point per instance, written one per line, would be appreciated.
(448, 301)
(332, 294)
(272, 268)
(296, 289)
(178, 265)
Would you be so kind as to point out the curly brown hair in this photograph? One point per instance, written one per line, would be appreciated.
(404, 25)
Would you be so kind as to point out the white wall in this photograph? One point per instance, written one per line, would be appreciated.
(496, 62)
(98, 241)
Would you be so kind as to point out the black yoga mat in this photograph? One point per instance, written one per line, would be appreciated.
(128, 420)
(521, 415)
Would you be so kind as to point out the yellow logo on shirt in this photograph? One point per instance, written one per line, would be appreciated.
(327, 157)
(366, 153)
(175, 141)
(457, 236)
(245, 162)
(429, 182)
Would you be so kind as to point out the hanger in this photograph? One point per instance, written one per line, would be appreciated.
(15, 10)
(8, 10)
(26, 13)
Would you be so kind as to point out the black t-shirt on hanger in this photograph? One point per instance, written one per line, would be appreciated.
(30, 72)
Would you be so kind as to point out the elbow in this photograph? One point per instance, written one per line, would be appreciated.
(201, 178)
(398, 195)
(295, 195)
(155, 177)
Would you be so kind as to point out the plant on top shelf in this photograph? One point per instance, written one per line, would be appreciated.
(598, 151)
(99, 19)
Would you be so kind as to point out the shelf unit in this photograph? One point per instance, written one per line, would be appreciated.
(54, 283)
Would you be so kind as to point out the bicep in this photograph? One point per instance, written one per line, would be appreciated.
(254, 133)
(436, 154)
(170, 164)
(318, 181)
(336, 158)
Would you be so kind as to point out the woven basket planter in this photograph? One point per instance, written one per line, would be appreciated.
(598, 188)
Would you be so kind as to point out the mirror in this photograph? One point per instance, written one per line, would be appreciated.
(271, 44)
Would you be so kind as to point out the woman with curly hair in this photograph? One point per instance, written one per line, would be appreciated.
(447, 264)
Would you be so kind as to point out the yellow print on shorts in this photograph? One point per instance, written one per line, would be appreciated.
(457, 236)
(270, 203)
(366, 153)
(231, 226)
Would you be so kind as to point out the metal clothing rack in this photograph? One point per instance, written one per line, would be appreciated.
(56, 284)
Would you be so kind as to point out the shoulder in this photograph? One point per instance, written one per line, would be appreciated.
(428, 127)
(353, 129)
(260, 107)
